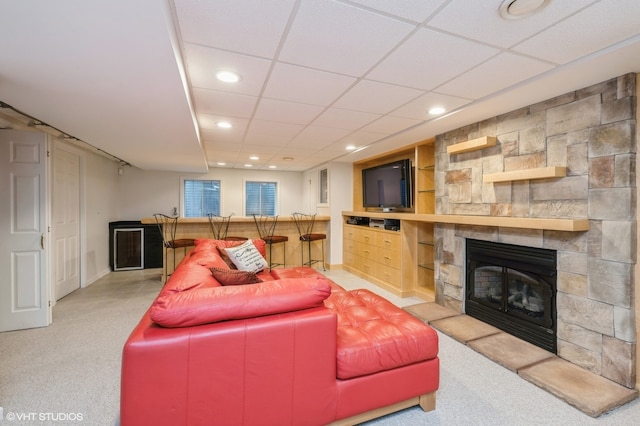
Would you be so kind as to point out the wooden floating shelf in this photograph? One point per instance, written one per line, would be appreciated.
(540, 173)
(472, 145)
(550, 224)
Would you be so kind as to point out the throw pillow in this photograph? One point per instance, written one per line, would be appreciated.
(234, 277)
(226, 258)
(246, 257)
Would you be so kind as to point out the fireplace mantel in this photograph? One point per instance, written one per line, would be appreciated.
(552, 224)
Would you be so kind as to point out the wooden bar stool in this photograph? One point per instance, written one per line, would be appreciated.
(266, 227)
(304, 223)
(220, 226)
(168, 226)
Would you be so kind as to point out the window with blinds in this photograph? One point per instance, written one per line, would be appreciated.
(201, 197)
(260, 198)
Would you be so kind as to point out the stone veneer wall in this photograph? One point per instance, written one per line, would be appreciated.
(592, 132)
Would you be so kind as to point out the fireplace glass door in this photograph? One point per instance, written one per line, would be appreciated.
(513, 289)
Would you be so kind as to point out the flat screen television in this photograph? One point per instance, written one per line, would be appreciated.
(388, 185)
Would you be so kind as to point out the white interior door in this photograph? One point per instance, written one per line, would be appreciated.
(24, 296)
(66, 221)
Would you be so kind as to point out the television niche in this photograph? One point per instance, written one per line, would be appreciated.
(387, 186)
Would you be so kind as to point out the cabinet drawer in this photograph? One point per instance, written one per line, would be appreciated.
(388, 257)
(350, 233)
(390, 275)
(388, 241)
(367, 251)
(350, 259)
(366, 236)
(350, 246)
(369, 267)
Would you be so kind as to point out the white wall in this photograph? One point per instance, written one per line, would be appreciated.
(143, 193)
(340, 176)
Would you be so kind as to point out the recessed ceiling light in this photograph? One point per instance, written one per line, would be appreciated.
(254, 157)
(222, 164)
(273, 167)
(518, 9)
(350, 147)
(436, 110)
(227, 76)
(248, 165)
(224, 124)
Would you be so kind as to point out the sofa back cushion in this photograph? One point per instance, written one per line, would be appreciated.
(189, 276)
(206, 305)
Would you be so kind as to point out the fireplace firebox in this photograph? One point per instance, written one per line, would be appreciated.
(513, 288)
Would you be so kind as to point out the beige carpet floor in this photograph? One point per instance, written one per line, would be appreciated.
(73, 366)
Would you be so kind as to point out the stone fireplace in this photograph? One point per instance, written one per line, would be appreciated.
(591, 132)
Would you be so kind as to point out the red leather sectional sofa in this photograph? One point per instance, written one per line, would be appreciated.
(295, 349)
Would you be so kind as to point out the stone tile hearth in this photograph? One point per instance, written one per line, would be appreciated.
(590, 393)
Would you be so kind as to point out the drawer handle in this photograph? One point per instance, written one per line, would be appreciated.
(387, 257)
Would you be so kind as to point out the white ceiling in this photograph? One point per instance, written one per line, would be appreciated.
(136, 78)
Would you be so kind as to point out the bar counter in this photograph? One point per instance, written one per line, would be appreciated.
(240, 226)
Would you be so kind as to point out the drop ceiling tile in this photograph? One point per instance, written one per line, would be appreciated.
(430, 58)
(413, 10)
(260, 149)
(376, 98)
(262, 132)
(361, 138)
(215, 155)
(222, 140)
(418, 109)
(337, 148)
(319, 135)
(253, 27)
(291, 83)
(340, 38)
(493, 75)
(287, 112)
(578, 35)
(207, 122)
(344, 118)
(203, 62)
(480, 20)
(292, 151)
(389, 124)
(224, 104)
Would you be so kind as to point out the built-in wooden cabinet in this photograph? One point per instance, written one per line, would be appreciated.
(399, 261)
(373, 254)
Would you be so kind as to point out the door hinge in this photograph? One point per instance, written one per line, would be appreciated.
(49, 303)
(48, 153)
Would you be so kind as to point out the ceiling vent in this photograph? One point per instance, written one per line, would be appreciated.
(519, 9)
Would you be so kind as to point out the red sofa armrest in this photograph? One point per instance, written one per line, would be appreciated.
(207, 305)
(221, 372)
